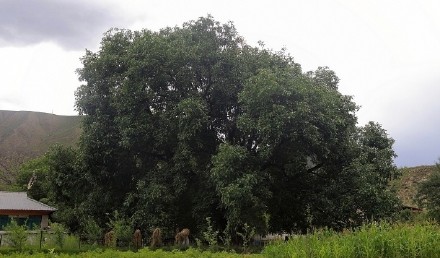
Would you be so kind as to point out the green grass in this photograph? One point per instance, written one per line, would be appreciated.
(374, 240)
(421, 239)
(100, 253)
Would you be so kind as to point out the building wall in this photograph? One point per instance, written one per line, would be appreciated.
(31, 221)
(44, 221)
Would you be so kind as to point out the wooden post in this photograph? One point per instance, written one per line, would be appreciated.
(41, 237)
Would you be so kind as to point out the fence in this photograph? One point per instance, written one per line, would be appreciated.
(36, 238)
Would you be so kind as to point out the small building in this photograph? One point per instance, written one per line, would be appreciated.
(18, 206)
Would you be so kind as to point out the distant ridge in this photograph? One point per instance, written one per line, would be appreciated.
(25, 135)
(409, 181)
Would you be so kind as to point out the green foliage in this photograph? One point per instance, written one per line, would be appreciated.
(246, 235)
(122, 228)
(372, 240)
(378, 239)
(227, 236)
(240, 186)
(191, 122)
(67, 186)
(71, 242)
(91, 230)
(428, 194)
(140, 253)
(210, 235)
(58, 180)
(32, 177)
(370, 173)
(17, 236)
(59, 234)
(61, 242)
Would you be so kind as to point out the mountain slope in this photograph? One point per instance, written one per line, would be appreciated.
(25, 135)
(409, 181)
(33, 132)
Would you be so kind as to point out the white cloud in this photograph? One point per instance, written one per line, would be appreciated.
(39, 78)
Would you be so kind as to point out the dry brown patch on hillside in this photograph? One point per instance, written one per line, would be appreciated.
(408, 183)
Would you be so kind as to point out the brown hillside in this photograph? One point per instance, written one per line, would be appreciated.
(32, 132)
(25, 135)
(408, 183)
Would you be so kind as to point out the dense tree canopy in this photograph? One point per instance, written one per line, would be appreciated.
(56, 178)
(191, 122)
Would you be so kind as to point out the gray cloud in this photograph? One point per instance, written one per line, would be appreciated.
(71, 24)
(421, 149)
(417, 138)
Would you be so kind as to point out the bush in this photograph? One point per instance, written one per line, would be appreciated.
(122, 228)
(246, 235)
(17, 235)
(210, 235)
(91, 231)
(59, 234)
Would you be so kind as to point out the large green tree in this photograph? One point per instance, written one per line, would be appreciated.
(191, 122)
(57, 178)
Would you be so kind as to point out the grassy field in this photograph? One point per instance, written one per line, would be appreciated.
(108, 253)
(374, 240)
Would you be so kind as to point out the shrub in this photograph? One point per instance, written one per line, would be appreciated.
(246, 235)
(122, 229)
(226, 238)
(210, 235)
(17, 235)
(91, 231)
(59, 233)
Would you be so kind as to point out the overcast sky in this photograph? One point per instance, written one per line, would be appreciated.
(385, 52)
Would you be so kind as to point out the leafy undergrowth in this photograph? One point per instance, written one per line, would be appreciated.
(108, 253)
(374, 240)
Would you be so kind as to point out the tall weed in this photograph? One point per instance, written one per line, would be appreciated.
(210, 235)
(17, 235)
(372, 240)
